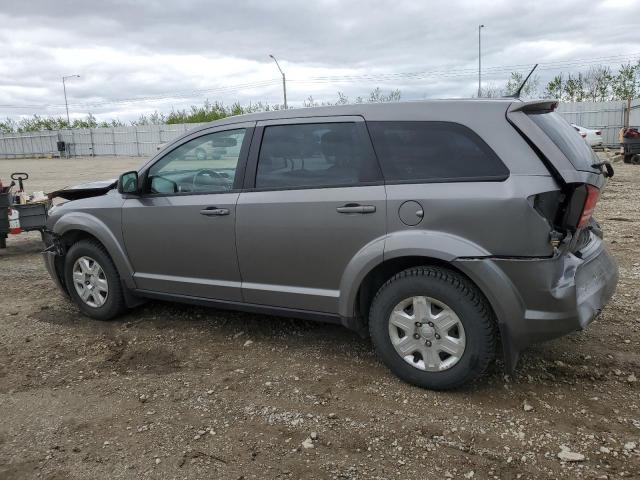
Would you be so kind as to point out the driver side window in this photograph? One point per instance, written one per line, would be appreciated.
(206, 164)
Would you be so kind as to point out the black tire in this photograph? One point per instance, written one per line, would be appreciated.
(463, 298)
(114, 303)
(635, 160)
(3, 241)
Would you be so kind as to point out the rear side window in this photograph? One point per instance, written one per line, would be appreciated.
(434, 152)
(315, 155)
(567, 139)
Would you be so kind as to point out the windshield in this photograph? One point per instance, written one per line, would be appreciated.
(567, 139)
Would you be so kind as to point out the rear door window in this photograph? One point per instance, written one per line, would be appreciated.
(315, 155)
(567, 139)
(434, 152)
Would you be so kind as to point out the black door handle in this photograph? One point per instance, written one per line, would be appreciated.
(355, 208)
(214, 211)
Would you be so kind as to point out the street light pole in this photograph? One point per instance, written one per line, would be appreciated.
(64, 88)
(284, 81)
(480, 27)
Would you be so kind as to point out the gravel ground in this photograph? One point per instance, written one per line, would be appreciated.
(172, 391)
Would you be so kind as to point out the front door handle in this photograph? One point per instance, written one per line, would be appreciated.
(355, 208)
(214, 211)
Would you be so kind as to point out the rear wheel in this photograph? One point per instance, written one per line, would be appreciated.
(635, 160)
(433, 328)
(93, 281)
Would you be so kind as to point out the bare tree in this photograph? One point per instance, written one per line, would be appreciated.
(529, 90)
(597, 83)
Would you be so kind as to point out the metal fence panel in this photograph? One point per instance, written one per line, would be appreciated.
(605, 116)
(634, 118)
(143, 140)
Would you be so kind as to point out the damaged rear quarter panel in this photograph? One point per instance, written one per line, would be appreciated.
(497, 215)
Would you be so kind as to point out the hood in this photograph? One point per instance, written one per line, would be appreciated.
(85, 190)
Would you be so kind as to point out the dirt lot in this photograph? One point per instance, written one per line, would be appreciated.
(172, 391)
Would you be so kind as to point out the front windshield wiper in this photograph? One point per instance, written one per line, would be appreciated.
(608, 172)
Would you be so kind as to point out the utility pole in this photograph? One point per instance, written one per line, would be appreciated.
(64, 88)
(480, 27)
(284, 81)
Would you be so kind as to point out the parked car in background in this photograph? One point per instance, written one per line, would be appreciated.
(592, 137)
(441, 229)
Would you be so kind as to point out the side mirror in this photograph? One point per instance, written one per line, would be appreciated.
(128, 183)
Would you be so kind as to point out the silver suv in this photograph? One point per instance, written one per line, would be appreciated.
(442, 229)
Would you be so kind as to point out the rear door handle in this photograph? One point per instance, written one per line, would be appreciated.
(354, 208)
(214, 211)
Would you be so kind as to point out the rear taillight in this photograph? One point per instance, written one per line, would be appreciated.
(589, 205)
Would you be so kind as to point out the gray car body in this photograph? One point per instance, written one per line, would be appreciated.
(278, 251)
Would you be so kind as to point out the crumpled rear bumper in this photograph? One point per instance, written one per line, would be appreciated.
(541, 299)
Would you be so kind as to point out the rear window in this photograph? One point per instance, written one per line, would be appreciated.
(567, 139)
(434, 152)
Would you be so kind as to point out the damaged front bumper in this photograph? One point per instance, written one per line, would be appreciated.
(53, 256)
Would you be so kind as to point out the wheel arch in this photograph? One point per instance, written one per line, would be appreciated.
(77, 226)
(421, 248)
(400, 249)
(383, 271)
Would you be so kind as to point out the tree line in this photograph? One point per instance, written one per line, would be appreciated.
(207, 112)
(597, 84)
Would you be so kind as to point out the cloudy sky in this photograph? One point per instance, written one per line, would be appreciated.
(138, 57)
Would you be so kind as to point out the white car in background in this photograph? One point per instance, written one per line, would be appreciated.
(592, 137)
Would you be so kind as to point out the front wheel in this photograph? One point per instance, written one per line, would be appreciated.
(433, 328)
(93, 281)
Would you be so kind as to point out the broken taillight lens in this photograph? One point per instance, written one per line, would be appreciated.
(589, 205)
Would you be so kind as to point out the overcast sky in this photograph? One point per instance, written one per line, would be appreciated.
(191, 50)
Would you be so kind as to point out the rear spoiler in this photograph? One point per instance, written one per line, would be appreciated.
(533, 106)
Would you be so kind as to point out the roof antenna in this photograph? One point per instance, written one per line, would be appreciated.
(524, 82)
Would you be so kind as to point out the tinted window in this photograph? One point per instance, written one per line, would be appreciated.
(433, 151)
(317, 154)
(205, 164)
(567, 139)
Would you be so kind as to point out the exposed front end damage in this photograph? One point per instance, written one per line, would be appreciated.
(53, 256)
(85, 190)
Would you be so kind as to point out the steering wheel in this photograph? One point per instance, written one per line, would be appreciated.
(213, 174)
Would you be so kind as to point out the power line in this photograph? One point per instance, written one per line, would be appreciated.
(458, 72)
(445, 72)
(164, 96)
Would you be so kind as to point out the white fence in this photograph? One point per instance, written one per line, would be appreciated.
(142, 141)
(605, 116)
